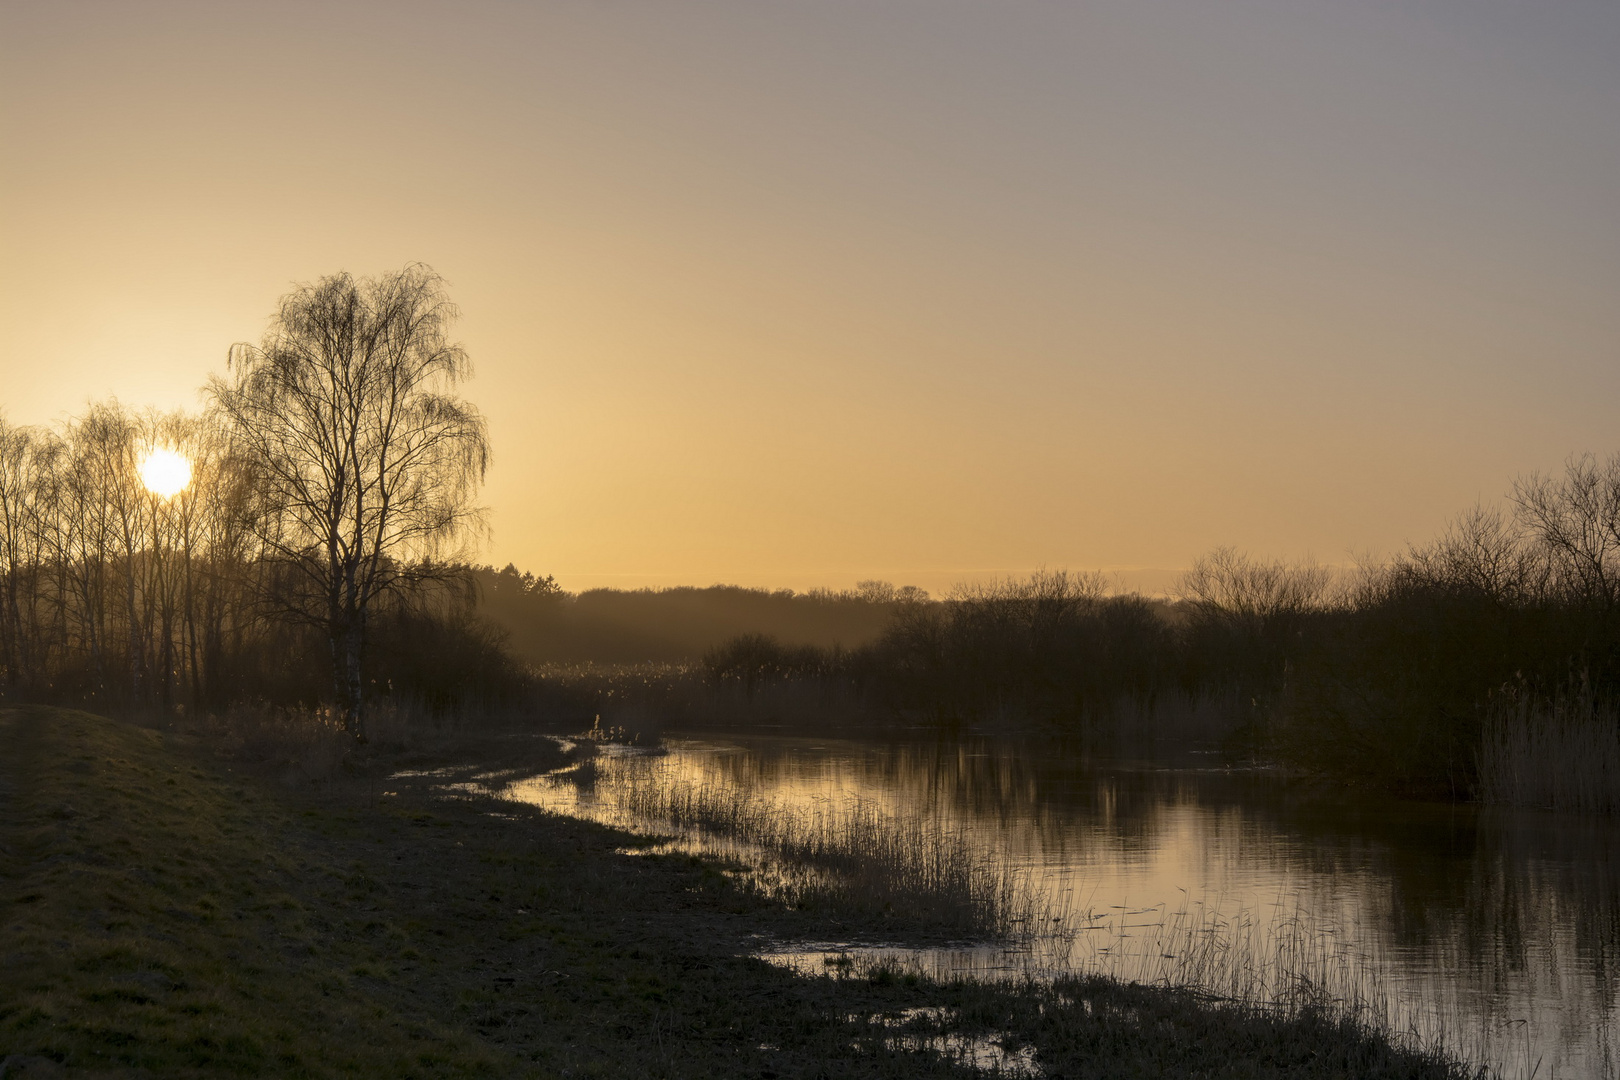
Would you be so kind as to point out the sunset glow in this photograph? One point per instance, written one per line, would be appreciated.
(1116, 501)
(795, 295)
(165, 473)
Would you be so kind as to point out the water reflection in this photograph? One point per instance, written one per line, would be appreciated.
(1494, 930)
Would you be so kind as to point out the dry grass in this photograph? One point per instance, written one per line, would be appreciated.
(1558, 754)
(300, 746)
(851, 854)
(308, 748)
(1288, 963)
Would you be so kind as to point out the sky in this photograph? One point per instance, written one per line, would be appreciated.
(798, 292)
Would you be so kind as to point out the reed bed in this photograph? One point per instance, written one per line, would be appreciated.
(1286, 962)
(1561, 753)
(1299, 960)
(1291, 960)
(852, 853)
(1246, 969)
(1247, 977)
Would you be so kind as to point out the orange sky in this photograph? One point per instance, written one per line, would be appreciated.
(802, 292)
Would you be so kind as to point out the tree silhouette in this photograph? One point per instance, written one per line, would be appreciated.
(365, 459)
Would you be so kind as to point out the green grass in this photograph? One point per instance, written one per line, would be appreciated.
(154, 918)
(162, 916)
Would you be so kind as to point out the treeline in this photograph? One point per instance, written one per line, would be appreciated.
(546, 625)
(1404, 674)
(298, 544)
(1057, 645)
(111, 592)
(116, 595)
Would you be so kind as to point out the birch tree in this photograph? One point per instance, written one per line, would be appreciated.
(367, 461)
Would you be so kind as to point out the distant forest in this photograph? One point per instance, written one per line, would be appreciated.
(1484, 663)
(544, 625)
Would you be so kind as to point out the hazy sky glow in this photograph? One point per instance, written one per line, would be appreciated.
(794, 293)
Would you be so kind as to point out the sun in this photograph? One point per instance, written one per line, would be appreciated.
(165, 472)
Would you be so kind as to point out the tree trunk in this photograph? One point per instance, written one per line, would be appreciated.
(349, 689)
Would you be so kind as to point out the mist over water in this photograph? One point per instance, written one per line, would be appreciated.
(1495, 931)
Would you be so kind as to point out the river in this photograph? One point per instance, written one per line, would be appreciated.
(1490, 930)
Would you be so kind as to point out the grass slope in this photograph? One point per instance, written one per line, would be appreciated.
(154, 918)
(159, 917)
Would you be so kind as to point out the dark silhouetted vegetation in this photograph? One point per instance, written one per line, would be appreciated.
(312, 564)
(362, 461)
(546, 625)
(310, 560)
(1052, 645)
(1478, 665)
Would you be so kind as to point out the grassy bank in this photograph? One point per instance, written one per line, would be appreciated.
(162, 915)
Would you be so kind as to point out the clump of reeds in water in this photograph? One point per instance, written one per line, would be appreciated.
(853, 854)
(1244, 971)
(1300, 959)
(1560, 753)
(1292, 960)
(850, 854)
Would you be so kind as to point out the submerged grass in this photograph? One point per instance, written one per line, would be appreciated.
(1293, 961)
(1285, 966)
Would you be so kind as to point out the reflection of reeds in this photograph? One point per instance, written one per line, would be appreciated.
(1561, 754)
(583, 775)
(852, 854)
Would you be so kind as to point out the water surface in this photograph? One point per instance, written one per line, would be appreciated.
(1492, 930)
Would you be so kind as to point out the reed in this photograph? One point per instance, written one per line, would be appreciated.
(1290, 963)
(1559, 753)
(851, 854)
(1252, 968)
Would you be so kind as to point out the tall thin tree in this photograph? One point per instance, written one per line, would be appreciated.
(367, 461)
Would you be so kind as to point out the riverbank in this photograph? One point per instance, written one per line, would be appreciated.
(167, 913)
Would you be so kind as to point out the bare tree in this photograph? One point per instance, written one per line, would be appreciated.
(367, 460)
(1482, 553)
(1576, 520)
(1253, 591)
(25, 457)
